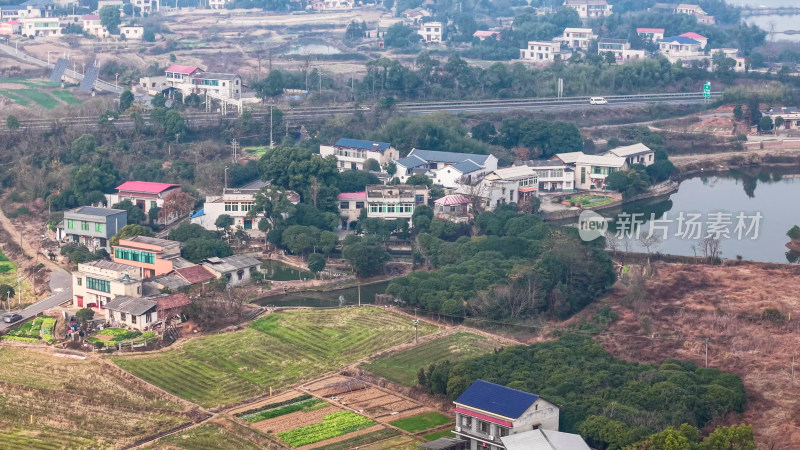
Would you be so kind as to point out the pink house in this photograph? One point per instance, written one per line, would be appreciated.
(483, 35)
(11, 27)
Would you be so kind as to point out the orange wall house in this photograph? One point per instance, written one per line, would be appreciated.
(152, 256)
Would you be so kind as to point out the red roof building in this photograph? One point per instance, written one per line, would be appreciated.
(185, 70)
(145, 187)
(484, 34)
(195, 274)
(352, 196)
(144, 194)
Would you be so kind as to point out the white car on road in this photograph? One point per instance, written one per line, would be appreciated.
(598, 101)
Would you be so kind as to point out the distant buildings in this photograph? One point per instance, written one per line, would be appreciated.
(688, 49)
(541, 51)
(454, 207)
(651, 34)
(588, 9)
(237, 203)
(332, 5)
(517, 183)
(352, 154)
(93, 27)
(11, 27)
(431, 32)
(389, 202)
(483, 35)
(620, 48)
(96, 283)
(147, 256)
(683, 8)
(790, 116)
(430, 163)
(40, 26)
(591, 171)
(193, 80)
(217, 4)
(634, 154)
(90, 226)
(236, 269)
(577, 38)
(132, 32)
(144, 194)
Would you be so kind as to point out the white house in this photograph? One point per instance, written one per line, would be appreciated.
(588, 9)
(459, 173)
(681, 48)
(237, 203)
(194, 80)
(144, 194)
(132, 32)
(40, 26)
(352, 154)
(634, 154)
(516, 183)
(429, 162)
(217, 4)
(697, 11)
(93, 27)
(697, 37)
(577, 38)
(541, 51)
(431, 31)
(651, 34)
(620, 48)
(236, 268)
(389, 202)
(790, 116)
(541, 439)
(590, 171)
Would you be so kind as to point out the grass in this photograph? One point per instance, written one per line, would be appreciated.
(276, 351)
(40, 97)
(398, 443)
(402, 367)
(438, 434)
(66, 97)
(422, 422)
(359, 441)
(592, 200)
(302, 405)
(6, 265)
(82, 403)
(20, 100)
(10, 278)
(258, 151)
(332, 425)
(30, 83)
(210, 436)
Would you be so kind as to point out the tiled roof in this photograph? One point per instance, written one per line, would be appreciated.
(130, 305)
(680, 40)
(411, 161)
(649, 30)
(453, 199)
(151, 240)
(172, 301)
(541, 439)
(466, 167)
(94, 211)
(629, 150)
(146, 186)
(448, 157)
(352, 195)
(569, 157)
(177, 68)
(363, 145)
(496, 399)
(693, 35)
(231, 263)
(484, 33)
(195, 274)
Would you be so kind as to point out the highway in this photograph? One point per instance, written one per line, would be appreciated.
(199, 119)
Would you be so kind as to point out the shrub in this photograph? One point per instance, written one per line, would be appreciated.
(774, 316)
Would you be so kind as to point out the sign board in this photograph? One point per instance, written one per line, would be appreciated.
(707, 89)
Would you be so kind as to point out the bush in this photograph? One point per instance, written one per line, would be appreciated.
(774, 316)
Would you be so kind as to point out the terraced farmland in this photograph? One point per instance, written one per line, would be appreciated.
(277, 351)
(402, 367)
(222, 435)
(75, 404)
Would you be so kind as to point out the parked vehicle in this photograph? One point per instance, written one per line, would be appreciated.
(598, 101)
(11, 317)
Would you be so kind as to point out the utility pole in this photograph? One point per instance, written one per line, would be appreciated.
(359, 295)
(416, 321)
(234, 145)
(793, 356)
(270, 126)
(270, 60)
(19, 292)
(706, 342)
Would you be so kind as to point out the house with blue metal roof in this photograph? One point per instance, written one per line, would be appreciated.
(457, 166)
(352, 154)
(487, 412)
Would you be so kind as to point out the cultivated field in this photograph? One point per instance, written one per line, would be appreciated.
(216, 434)
(76, 404)
(748, 313)
(45, 94)
(401, 367)
(421, 422)
(276, 351)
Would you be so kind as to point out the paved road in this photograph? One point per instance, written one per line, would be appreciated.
(60, 285)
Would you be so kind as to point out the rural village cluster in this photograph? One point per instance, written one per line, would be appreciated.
(399, 224)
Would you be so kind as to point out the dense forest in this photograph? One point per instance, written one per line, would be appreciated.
(612, 403)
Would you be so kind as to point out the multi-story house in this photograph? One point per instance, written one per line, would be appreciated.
(577, 38)
(387, 202)
(620, 48)
(517, 183)
(217, 4)
(634, 154)
(144, 194)
(332, 5)
(542, 439)
(681, 48)
(93, 27)
(146, 6)
(193, 80)
(452, 176)
(429, 162)
(91, 226)
(96, 283)
(148, 256)
(487, 412)
(697, 11)
(454, 207)
(651, 34)
(591, 170)
(790, 116)
(352, 154)
(541, 51)
(431, 31)
(18, 12)
(697, 37)
(40, 26)
(144, 313)
(237, 203)
(588, 9)
(11, 27)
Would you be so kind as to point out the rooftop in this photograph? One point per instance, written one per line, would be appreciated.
(216, 76)
(693, 35)
(131, 305)
(172, 301)
(601, 160)
(38, 3)
(629, 150)
(510, 173)
(541, 439)
(496, 399)
(151, 241)
(680, 40)
(108, 265)
(94, 211)
(578, 30)
(146, 186)
(186, 70)
(231, 263)
(195, 274)
(570, 157)
(587, 2)
(448, 157)
(442, 443)
(543, 163)
(485, 33)
(363, 145)
(650, 30)
(613, 41)
(352, 195)
(453, 199)
(466, 167)
(411, 161)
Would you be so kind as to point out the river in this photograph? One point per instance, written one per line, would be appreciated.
(780, 23)
(771, 193)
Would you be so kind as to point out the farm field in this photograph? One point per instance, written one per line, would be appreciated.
(43, 93)
(71, 401)
(421, 422)
(276, 351)
(372, 401)
(6, 265)
(220, 435)
(401, 367)
(361, 440)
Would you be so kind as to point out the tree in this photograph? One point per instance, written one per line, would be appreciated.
(158, 101)
(135, 214)
(12, 122)
(660, 170)
(224, 221)
(186, 231)
(765, 123)
(84, 145)
(300, 239)
(273, 203)
(125, 100)
(110, 18)
(174, 124)
(372, 165)
(355, 30)
(483, 131)
(84, 315)
(794, 233)
(316, 263)
(176, 204)
(366, 256)
(327, 241)
(736, 437)
(6, 292)
(152, 214)
(356, 180)
(90, 181)
(198, 249)
(270, 86)
(391, 168)
(779, 121)
(738, 114)
(400, 36)
(129, 231)
(149, 36)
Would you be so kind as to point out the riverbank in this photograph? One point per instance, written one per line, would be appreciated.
(786, 152)
(655, 192)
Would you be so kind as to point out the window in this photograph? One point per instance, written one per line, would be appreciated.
(134, 255)
(230, 206)
(147, 318)
(502, 431)
(359, 205)
(70, 224)
(98, 227)
(344, 205)
(153, 204)
(133, 318)
(84, 225)
(583, 175)
(122, 317)
(239, 274)
(80, 281)
(246, 206)
(98, 285)
(483, 427)
(466, 421)
(419, 198)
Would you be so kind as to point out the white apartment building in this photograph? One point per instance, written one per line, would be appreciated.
(620, 48)
(431, 31)
(589, 9)
(97, 282)
(515, 184)
(651, 34)
(146, 6)
(194, 80)
(352, 154)
(590, 171)
(697, 11)
(93, 27)
(387, 202)
(40, 26)
(237, 203)
(541, 51)
(577, 38)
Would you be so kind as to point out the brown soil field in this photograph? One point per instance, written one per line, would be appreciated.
(724, 304)
(284, 396)
(294, 420)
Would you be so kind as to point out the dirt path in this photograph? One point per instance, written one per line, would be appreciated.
(26, 246)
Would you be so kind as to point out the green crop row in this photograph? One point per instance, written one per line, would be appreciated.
(332, 425)
(20, 338)
(273, 405)
(304, 405)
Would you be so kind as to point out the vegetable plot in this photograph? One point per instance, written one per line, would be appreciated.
(332, 425)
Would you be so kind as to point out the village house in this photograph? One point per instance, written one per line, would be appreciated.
(11, 27)
(96, 283)
(542, 439)
(454, 207)
(484, 34)
(132, 32)
(681, 48)
(91, 226)
(651, 34)
(697, 37)
(93, 27)
(591, 170)
(144, 194)
(236, 269)
(431, 31)
(148, 256)
(541, 51)
(430, 163)
(577, 38)
(218, 4)
(132, 312)
(193, 80)
(332, 5)
(517, 183)
(237, 203)
(18, 12)
(119, 4)
(790, 116)
(697, 12)
(415, 16)
(634, 154)
(45, 6)
(389, 202)
(620, 48)
(146, 6)
(467, 171)
(487, 412)
(352, 154)
(40, 26)
(589, 9)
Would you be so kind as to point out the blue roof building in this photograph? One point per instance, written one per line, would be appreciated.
(486, 412)
(352, 154)
(446, 169)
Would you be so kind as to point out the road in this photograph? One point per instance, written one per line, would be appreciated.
(61, 286)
